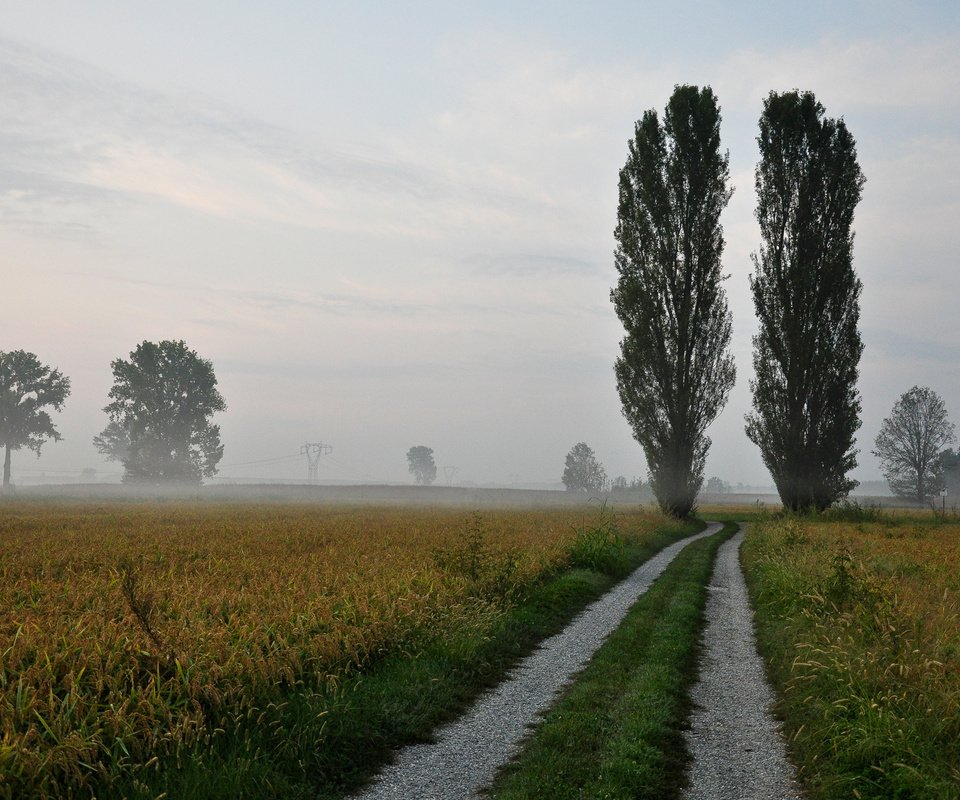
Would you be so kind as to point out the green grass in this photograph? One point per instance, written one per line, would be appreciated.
(858, 624)
(327, 744)
(617, 732)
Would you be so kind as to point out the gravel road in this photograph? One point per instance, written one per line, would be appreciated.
(467, 752)
(738, 752)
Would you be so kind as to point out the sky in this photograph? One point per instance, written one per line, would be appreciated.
(391, 224)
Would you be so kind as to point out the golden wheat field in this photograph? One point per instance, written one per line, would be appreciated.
(128, 631)
(862, 621)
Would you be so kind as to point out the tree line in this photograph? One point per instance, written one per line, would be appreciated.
(675, 370)
(159, 415)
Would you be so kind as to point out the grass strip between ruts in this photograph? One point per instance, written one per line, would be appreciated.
(324, 745)
(617, 731)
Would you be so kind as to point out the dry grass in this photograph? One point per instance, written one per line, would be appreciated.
(861, 623)
(132, 632)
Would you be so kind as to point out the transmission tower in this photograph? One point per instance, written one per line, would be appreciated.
(313, 451)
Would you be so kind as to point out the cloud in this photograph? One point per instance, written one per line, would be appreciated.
(77, 140)
(75, 137)
(907, 348)
(531, 265)
(895, 75)
(507, 157)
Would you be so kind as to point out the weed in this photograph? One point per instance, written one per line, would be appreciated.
(489, 574)
(851, 511)
(794, 535)
(600, 546)
(140, 603)
(848, 583)
(941, 513)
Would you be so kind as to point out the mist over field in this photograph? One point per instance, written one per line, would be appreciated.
(389, 227)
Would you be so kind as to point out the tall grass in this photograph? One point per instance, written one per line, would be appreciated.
(859, 618)
(137, 636)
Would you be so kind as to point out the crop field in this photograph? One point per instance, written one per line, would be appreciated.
(141, 634)
(860, 622)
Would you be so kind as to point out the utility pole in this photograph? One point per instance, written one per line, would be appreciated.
(313, 451)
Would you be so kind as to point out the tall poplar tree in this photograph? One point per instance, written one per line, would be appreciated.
(675, 370)
(807, 300)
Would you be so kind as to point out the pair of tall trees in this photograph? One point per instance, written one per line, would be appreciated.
(161, 403)
(675, 371)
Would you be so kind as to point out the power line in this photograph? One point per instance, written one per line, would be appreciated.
(58, 471)
(313, 451)
(292, 457)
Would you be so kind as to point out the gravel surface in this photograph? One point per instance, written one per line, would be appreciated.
(467, 752)
(738, 752)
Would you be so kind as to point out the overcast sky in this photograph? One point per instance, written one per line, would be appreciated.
(391, 224)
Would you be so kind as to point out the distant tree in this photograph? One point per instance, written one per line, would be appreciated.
(950, 466)
(160, 428)
(27, 387)
(717, 486)
(582, 472)
(623, 484)
(806, 296)
(911, 444)
(675, 370)
(950, 459)
(421, 465)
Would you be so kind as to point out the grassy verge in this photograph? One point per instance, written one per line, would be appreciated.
(857, 618)
(616, 733)
(326, 743)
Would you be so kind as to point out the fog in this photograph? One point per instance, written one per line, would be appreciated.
(390, 228)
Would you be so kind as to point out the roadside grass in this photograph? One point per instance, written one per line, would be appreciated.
(858, 618)
(270, 651)
(871, 510)
(617, 731)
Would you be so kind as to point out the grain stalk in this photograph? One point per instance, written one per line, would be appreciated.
(141, 604)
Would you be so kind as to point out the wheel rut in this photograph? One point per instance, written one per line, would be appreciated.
(467, 752)
(737, 749)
